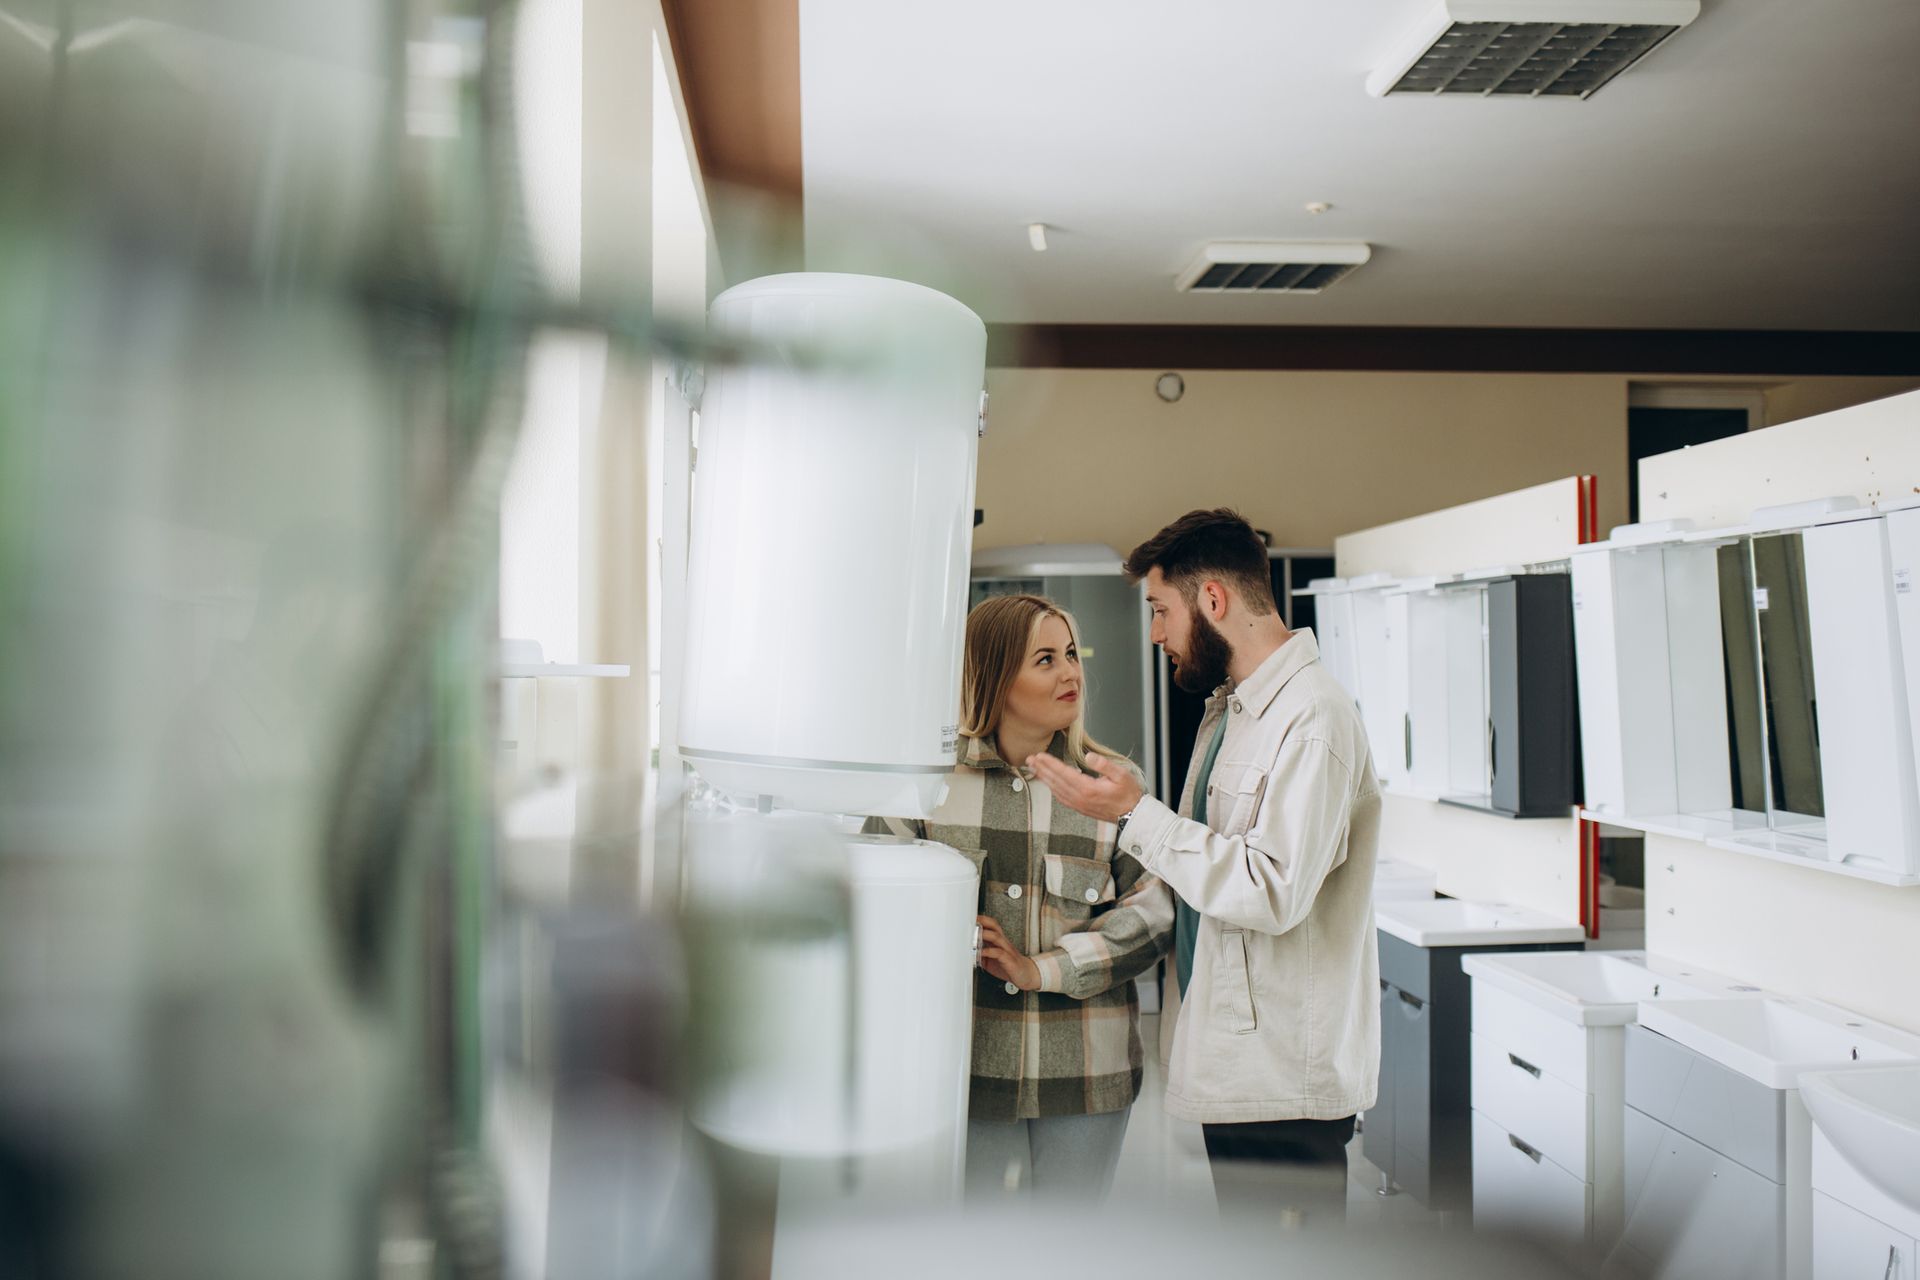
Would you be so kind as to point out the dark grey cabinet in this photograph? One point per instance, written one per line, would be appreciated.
(1532, 700)
(1420, 1131)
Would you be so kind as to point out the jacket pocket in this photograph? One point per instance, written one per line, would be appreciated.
(1087, 882)
(1233, 798)
(1233, 984)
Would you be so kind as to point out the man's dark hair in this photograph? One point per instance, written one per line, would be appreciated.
(1215, 544)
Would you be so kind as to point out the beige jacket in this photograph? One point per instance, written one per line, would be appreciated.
(1282, 1018)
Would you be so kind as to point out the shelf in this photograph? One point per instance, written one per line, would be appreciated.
(1749, 834)
(1777, 846)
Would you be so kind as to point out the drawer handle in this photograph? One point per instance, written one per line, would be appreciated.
(1525, 1150)
(1524, 1065)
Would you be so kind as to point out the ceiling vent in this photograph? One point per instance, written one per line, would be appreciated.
(1270, 266)
(1528, 48)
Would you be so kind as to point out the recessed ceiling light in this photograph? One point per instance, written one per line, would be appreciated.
(1318, 207)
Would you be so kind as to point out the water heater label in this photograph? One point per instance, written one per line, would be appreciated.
(1902, 581)
(949, 737)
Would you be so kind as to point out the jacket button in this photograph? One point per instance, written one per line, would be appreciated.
(1093, 895)
(1012, 989)
(1235, 704)
(1013, 891)
(1019, 784)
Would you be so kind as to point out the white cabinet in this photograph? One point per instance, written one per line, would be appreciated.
(1858, 1230)
(1651, 682)
(1547, 1108)
(1380, 643)
(1758, 688)
(1848, 1245)
(1518, 1190)
(1428, 692)
(1866, 743)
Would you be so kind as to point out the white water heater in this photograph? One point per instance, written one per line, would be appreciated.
(832, 525)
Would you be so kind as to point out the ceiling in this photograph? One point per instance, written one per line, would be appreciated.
(1759, 171)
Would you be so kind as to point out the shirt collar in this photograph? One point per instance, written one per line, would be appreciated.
(1258, 690)
(980, 753)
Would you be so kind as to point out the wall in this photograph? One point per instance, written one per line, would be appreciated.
(1800, 931)
(1095, 456)
(1092, 455)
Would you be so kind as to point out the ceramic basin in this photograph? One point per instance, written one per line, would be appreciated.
(1772, 1041)
(1592, 988)
(1394, 880)
(1872, 1117)
(1452, 922)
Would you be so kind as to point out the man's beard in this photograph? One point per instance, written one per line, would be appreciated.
(1204, 668)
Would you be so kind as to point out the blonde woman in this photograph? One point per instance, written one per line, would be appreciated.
(1066, 920)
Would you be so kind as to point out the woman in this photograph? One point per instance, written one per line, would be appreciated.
(1067, 920)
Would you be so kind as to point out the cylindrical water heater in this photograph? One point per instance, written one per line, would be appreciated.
(832, 526)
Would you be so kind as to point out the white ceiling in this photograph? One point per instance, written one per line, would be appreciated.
(1760, 170)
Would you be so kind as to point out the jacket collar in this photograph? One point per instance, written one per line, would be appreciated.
(980, 753)
(1259, 690)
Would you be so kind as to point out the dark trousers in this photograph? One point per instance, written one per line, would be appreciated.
(1293, 1169)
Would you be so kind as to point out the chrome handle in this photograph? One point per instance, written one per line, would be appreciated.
(1524, 1065)
(1893, 1260)
(1525, 1150)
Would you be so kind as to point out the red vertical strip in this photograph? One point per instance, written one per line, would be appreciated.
(1589, 522)
(1586, 902)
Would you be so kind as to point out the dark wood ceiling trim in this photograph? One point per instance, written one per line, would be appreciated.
(1773, 353)
(739, 64)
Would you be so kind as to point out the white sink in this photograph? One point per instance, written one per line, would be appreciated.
(1451, 922)
(1872, 1116)
(1594, 988)
(1393, 880)
(1772, 1041)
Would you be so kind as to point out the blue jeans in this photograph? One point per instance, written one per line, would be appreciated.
(1059, 1157)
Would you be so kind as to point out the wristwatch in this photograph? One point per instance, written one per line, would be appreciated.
(1125, 818)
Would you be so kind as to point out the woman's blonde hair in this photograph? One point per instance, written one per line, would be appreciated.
(999, 630)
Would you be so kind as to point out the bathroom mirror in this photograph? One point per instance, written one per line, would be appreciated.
(1792, 727)
(1740, 642)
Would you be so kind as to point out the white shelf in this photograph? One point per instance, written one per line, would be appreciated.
(1779, 846)
(1749, 834)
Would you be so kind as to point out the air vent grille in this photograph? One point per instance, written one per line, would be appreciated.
(1529, 59)
(1260, 267)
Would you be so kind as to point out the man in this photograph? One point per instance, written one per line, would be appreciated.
(1277, 1039)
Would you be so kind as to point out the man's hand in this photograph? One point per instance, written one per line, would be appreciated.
(1108, 797)
(998, 957)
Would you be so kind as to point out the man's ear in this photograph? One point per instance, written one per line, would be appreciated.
(1216, 597)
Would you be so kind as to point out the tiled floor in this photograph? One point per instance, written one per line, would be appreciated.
(1164, 1162)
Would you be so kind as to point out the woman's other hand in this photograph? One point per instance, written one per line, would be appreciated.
(998, 957)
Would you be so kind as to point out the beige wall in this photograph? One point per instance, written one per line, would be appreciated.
(1092, 455)
(1792, 401)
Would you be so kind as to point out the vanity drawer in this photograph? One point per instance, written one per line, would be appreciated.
(1556, 1046)
(1546, 1113)
(1526, 1194)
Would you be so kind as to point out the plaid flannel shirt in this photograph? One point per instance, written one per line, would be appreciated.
(1089, 916)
